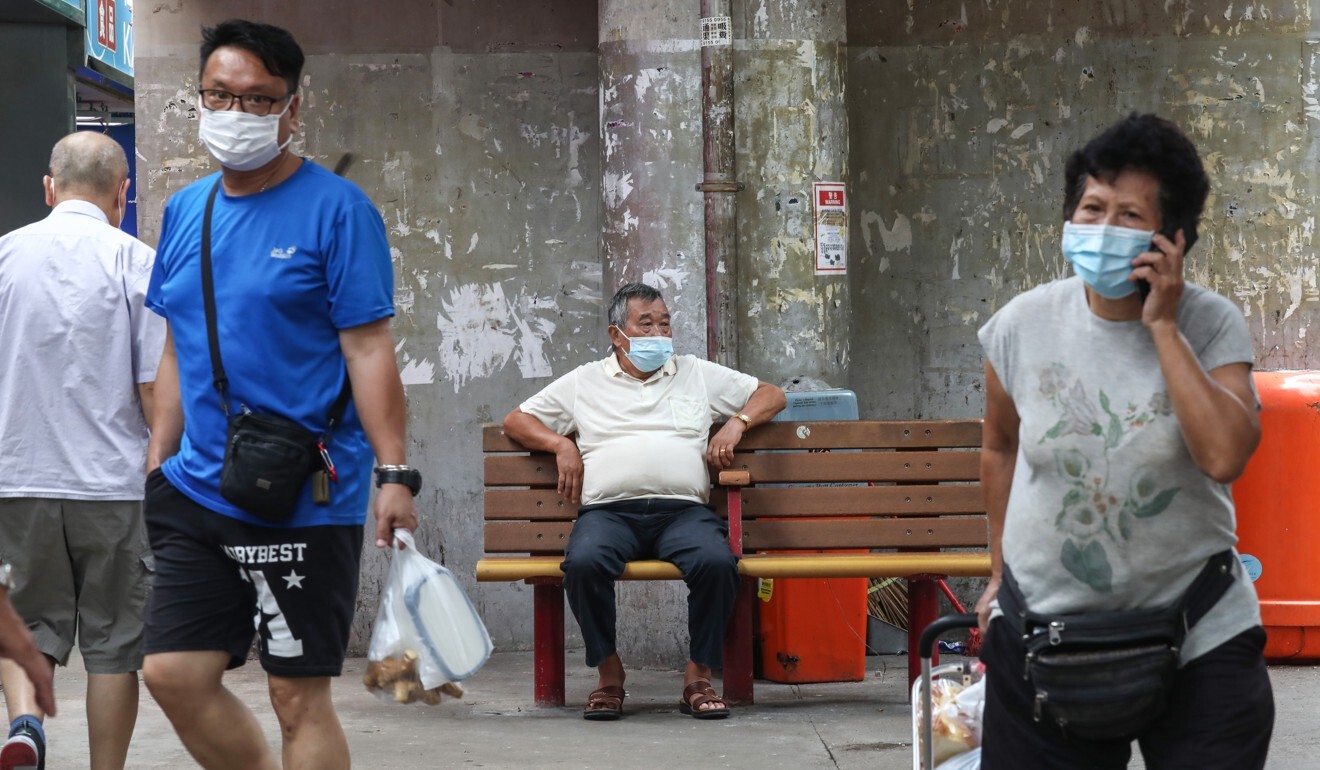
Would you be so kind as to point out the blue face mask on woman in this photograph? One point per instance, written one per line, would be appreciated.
(648, 353)
(1102, 255)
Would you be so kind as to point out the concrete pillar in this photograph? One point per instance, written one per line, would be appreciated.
(651, 228)
(792, 130)
(38, 95)
(650, 118)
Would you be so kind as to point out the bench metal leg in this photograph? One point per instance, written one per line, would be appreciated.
(923, 609)
(738, 646)
(548, 658)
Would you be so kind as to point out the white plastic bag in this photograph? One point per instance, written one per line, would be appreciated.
(956, 729)
(427, 635)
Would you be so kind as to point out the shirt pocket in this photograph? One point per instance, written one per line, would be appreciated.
(691, 415)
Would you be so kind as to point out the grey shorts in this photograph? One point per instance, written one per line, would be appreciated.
(82, 570)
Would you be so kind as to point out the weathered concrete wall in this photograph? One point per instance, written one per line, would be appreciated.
(650, 124)
(792, 131)
(475, 132)
(962, 115)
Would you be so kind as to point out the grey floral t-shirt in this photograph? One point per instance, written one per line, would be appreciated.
(1107, 510)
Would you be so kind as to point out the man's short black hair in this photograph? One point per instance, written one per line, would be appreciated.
(274, 46)
(618, 312)
(1144, 143)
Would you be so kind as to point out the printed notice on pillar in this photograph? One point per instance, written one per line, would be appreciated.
(831, 228)
(716, 30)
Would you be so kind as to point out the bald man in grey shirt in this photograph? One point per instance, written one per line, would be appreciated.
(76, 372)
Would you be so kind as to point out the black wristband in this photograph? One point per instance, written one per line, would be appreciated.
(400, 474)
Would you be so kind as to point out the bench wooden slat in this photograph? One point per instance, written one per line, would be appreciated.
(903, 500)
(908, 532)
(527, 536)
(804, 468)
(870, 434)
(523, 504)
(538, 470)
(545, 504)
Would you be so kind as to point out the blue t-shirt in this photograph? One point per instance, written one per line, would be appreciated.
(292, 266)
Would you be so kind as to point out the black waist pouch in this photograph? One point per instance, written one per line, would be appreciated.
(1107, 675)
(1103, 683)
(267, 462)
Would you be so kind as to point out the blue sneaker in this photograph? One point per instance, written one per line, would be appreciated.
(25, 750)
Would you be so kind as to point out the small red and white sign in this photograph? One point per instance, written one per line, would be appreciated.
(105, 24)
(831, 200)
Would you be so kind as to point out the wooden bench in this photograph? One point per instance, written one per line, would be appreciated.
(904, 490)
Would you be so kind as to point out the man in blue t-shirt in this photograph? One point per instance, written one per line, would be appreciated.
(303, 294)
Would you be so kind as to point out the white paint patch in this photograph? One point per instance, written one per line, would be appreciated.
(896, 238)
(498, 267)
(481, 330)
(665, 278)
(433, 235)
(617, 188)
(995, 126)
(642, 83)
(418, 371)
(761, 21)
(1022, 130)
(1082, 36)
(472, 244)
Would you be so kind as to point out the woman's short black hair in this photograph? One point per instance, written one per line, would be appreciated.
(278, 51)
(1145, 143)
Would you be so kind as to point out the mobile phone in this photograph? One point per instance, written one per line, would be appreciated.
(1143, 287)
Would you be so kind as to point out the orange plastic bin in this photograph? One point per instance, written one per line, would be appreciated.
(1278, 514)
(814, 630)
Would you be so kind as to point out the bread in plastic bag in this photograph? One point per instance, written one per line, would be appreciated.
(427, 636)
(956, 728)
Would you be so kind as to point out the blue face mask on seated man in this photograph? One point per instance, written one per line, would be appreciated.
(649, 353)
(1102, 255)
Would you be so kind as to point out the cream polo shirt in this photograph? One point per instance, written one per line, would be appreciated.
(75, 340)
(642, 438)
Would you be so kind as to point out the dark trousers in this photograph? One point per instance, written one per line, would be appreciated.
(1220, 714)
(608, 536)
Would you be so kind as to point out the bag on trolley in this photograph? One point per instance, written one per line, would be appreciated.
(948, 704)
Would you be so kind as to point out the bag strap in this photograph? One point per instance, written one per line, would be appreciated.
(219, 379)
(1206, 590)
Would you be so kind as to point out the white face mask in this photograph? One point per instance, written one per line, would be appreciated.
(240, 140)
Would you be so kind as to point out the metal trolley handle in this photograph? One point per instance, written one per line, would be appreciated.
(925, 646)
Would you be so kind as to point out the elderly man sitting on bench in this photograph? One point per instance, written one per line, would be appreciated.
(639, 469)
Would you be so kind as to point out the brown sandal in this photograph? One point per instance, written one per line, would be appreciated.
(698, 694)
(605, 704)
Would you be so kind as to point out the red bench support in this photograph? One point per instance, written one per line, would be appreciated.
(548, 638)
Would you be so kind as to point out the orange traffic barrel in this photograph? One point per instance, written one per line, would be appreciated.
(1278, 514)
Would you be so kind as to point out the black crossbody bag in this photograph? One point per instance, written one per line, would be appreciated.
(268, 458)
(1107, 675)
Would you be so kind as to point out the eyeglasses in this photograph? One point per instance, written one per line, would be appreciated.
(256, 104)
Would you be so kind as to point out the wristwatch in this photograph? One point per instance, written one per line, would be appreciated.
(746, 420)
(6, 575)
(406, 475)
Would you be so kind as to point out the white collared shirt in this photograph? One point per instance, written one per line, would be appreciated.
(642, 438)
(75, 341)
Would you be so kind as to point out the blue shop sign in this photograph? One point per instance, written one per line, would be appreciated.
(110, 37)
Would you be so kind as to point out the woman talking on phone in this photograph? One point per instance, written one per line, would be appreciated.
(1119, 407)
